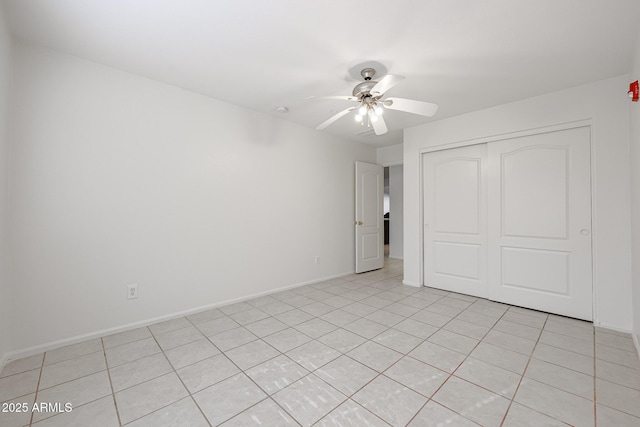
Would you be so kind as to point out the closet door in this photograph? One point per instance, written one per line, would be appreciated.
(539, 222)
(455, 235)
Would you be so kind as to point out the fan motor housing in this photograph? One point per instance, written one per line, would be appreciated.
(364, 88)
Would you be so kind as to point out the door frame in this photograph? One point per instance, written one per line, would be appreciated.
(527, 132)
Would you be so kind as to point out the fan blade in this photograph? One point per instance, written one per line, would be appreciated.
(334, 118)
(386, 83)
(379, 126)
(342, 98)
(410, 106)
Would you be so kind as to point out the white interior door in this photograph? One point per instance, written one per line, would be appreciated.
(369, 217)
(540, 222)
(455, 234)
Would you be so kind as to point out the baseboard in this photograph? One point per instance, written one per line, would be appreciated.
(396, 257)
(30, 351)
(603, 325)
(408, 283)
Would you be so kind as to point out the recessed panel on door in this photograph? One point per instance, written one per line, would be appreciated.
(535, 185)
(455, 220)
(457, 260)
(371, 187)
(457, 195)
(541, 271)
(370, 246)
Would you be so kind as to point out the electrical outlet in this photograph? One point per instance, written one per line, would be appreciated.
(317, 259)
(132, 291)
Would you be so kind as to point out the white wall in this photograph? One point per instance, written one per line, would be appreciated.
(388, 156)
(5, 297)
(634, 115)
(605, 104)
(396, 244)
(117, 179)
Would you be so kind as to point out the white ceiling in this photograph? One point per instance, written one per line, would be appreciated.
(461, 54)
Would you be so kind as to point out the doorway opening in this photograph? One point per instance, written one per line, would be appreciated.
(393, 212)
(385, 211)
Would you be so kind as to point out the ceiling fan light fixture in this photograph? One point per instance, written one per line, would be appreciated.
(369, 103)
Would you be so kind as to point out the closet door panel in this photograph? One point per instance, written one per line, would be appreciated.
(455, 236)
(539, 222)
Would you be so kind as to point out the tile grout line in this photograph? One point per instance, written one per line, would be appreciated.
(151, 379)
(451, 374)
(193, 399)
(35, 397)
(79, 406)
(268, 396)
(309, 372)
(460, 364)
(377, 374)
(407, 355)
(38, 390)
(113, 393)
(515, 392)
(67, 382)
(523, 376)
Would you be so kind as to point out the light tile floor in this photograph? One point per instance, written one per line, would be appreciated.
(361, 350)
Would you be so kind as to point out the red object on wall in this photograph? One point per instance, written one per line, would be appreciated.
(633, 91)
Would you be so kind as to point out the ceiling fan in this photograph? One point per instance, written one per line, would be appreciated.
(369, 94)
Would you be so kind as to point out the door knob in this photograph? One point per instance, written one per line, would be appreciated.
(359, 223)
(584, 232)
